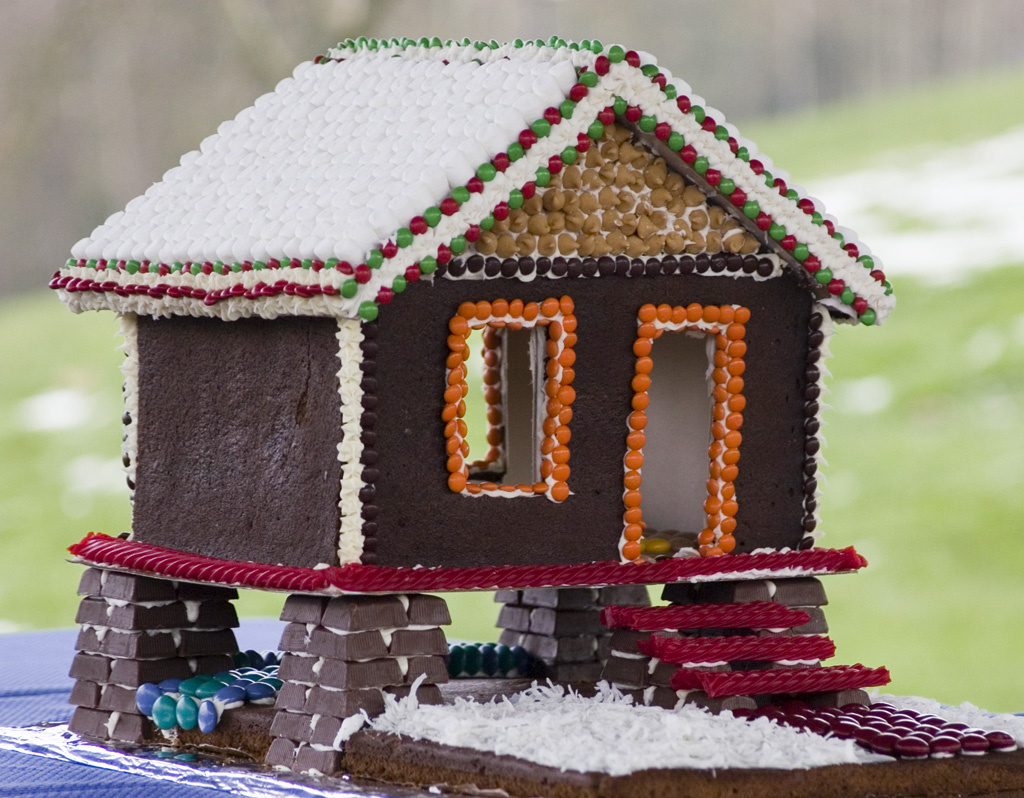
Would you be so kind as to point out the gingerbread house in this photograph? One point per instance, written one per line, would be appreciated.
(309, 299)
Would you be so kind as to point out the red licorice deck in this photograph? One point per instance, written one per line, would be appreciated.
(742, 615)
(771, 682)
(703, 650)
(105, 551)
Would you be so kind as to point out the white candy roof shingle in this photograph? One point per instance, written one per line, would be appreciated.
(328, 170)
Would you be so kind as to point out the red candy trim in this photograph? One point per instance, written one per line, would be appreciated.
(105, 551)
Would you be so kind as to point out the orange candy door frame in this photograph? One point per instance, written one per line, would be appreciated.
(727, 324)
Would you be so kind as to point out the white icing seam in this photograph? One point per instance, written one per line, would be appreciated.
(130, 370)
(350, 449)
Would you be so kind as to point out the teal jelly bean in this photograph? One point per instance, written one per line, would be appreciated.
(456, 659)
(187, 712)
(165, 712)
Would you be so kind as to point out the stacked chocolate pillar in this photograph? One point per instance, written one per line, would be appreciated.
(561, 627)
(137, 629)
(341, 656)
(730, 645)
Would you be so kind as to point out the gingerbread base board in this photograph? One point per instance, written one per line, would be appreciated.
(401, 760)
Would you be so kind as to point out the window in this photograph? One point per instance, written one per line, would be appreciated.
(527, 358)
(701, 405)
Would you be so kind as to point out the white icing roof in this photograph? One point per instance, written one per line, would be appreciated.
(333, 161)
(338, 160)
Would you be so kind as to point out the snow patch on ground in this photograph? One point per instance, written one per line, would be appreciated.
(607, 733)
(924, 215)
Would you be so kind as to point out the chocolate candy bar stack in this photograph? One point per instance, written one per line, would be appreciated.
(732, 645)
(341, 656)
(561, 628)
(136, 629)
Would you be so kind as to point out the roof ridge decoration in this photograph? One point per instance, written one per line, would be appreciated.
(138, 262)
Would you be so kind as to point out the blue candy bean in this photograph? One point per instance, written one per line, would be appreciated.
(207, 716)
(230, 697)
(169, 685)
(145, 696)
(258, 692)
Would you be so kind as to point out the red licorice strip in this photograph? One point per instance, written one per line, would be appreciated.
(744, 615)
(104, 550)
(718, 684)
(679, 650)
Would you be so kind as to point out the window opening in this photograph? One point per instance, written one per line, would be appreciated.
(650, 467)
(516, 443)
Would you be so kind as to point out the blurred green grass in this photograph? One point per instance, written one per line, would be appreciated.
(929, 486)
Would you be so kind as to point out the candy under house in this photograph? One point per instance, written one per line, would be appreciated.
(303, 302)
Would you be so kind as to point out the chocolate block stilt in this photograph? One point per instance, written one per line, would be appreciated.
(137, 629)
(561, 627)
(341, 657)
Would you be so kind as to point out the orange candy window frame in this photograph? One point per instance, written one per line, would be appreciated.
(557, 316)
(727, 324)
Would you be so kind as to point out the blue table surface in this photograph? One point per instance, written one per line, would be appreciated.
(35, 689)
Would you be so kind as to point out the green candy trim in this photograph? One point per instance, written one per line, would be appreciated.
(867, 318)
(801, 252)
(698, 113)
(588, 79)
(515, 200)
(349, 289)
(368, 311)
(399, 284)
(486, 172)
(460, 194)
(619, 106)
(543, 176)
(848, 296)
(649, 70)
(432, 215)
(751, 209)
(569, 155)
(648, 123)
(596, 129)
(403, 237)
(616, 54)
(458, 244)
(823, 276)
(701, 165)
(428, 265)
(515, 152)
(777, 232)
(566, 109)
(726, 186)
(541, 128)
(487, 223)
(375, 259)
(676, 141)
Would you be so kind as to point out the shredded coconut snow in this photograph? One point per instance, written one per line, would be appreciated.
(607, 733)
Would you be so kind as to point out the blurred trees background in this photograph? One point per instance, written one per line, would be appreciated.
(99, 98)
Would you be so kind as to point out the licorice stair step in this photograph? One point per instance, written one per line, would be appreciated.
(732, 644)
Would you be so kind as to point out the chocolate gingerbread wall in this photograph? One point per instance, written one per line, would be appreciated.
(237, 445)
(419, 520)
